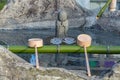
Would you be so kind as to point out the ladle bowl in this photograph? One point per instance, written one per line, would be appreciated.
(84, 40)
(35, 42)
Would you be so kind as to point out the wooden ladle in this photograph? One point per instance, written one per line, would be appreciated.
(36, 42)
(84, 41)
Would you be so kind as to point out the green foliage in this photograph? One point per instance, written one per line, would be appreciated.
(2, 3)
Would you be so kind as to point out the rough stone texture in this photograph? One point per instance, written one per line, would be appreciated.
(112, 14)
(34, 10)
(14, 68)
(114, 74)
(19, 12)
(110, 21)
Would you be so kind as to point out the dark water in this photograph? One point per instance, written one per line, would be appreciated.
(20, 36)
(100, 37)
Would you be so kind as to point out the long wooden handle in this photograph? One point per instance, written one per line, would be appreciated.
(37, 60)
(87, 62)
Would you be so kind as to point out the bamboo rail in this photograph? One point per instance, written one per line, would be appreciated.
(66, 49)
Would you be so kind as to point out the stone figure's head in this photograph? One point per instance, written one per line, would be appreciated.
(62, 16)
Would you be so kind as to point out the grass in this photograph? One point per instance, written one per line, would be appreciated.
(2, 3)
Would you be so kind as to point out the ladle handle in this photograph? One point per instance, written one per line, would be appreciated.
(87, 62)
(37, 60)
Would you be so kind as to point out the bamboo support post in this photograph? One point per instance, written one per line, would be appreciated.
(113, 5)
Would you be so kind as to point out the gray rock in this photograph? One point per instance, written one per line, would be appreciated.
(116, 68)
(114, 74)
(32, 10)
(15, 68)
(110, 21)
(22, 13)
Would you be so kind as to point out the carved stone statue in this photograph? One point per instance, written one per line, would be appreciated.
(61, 32)
(61, 25)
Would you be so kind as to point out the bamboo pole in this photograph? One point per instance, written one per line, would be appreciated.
(103, 9)
(66, 49)
(113, 5)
